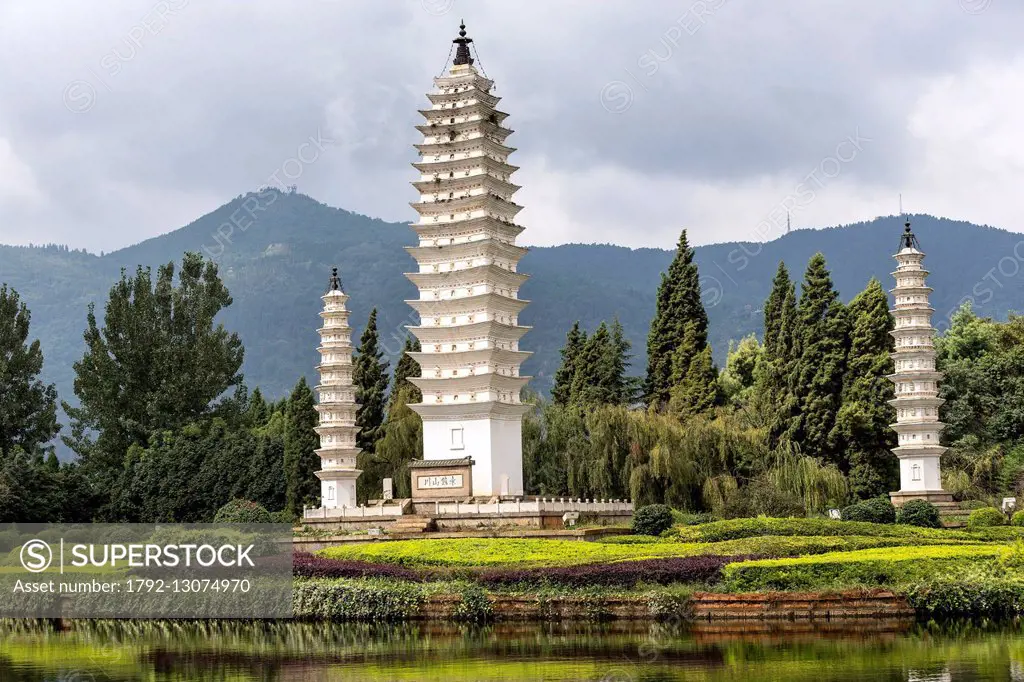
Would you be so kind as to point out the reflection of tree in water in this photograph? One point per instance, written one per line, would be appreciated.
(638, 651)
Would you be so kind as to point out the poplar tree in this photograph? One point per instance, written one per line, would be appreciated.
(678, 304)
(406, 367)
(28, 407)
(158, 363)
(561, 393)
(822, 341)
(300, 444)
(370, 378)
(862, 425)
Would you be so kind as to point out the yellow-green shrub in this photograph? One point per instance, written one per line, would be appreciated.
(870, 567)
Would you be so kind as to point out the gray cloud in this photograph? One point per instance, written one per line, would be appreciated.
(128, 119)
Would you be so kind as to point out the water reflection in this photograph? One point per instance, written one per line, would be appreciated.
(633, 652)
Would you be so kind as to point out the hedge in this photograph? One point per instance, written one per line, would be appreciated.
(985, 517)
(919, 513)
(871, 567)
(746, 528)
(697, 569)
(312, 566)
(970, 594)
(242, 511)
(654, 519)
(876, 510)
(362, 599)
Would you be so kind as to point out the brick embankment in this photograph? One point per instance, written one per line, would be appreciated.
(800, 606)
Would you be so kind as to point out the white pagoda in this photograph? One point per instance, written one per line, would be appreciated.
(468, 282)
(917, 382)
(336, 403)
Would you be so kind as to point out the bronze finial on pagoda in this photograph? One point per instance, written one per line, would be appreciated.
(462, 53)
(335, 280)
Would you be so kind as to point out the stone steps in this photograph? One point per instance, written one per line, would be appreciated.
(413, 524)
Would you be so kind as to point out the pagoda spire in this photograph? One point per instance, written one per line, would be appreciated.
(335, 280)
(462, 53)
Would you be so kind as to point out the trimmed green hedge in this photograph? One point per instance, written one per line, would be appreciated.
(876, 510)
(919, 513)
(870, 567)
(1017, 519)
(654, 519)
(759, 527)
(968, 594)
(985, 517)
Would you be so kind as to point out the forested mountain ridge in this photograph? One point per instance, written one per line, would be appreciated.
(276, 262)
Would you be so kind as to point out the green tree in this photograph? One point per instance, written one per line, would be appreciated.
(257, 410)
(775, 308)
(300, 444)
(741, 370)
(774, 394)
(407, 367)
(862, 425)
(822, 336)
(28, 407)
(370, 378)
(694, 378)
(600, 378)
(159, 362)
(575, 340)
(678, 304)
(401, 442)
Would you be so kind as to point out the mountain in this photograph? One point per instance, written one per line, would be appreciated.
(276, 250)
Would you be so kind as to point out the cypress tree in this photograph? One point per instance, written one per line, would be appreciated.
(28, 407)
(561, 393)
(600, 377)
(694, 379)
(822, 337)
(776, 372)
(406, 367)
(678, 304)
(624, 387)
(589, 384)
(257, 411)
(300, 444)
(862, 425)
(370, 378)
(774, 308)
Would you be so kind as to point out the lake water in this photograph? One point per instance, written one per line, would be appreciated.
(618, 652)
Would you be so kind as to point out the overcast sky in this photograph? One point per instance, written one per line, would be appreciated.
(124, 119)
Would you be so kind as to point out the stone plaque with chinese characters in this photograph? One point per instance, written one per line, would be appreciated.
(435, 482)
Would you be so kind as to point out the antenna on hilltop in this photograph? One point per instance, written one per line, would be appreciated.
(787, 222)
(901, 204)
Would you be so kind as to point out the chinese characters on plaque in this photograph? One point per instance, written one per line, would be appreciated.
(449, 481)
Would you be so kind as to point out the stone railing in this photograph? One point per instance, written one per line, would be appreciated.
(535, 506)
(353, 512)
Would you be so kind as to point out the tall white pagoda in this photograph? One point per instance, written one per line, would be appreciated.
(468, 282)
(336, 403)
(917, 382)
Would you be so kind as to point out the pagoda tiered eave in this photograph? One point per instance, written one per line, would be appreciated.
(465, 333)
(478, 248)
(471, 163)
(464, 277)
(468, 305)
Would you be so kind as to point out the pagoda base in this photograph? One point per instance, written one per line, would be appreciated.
(338, 488)
(939, 498)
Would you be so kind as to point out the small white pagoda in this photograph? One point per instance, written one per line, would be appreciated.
(917, 382)
(468, 282)
(336, 403)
